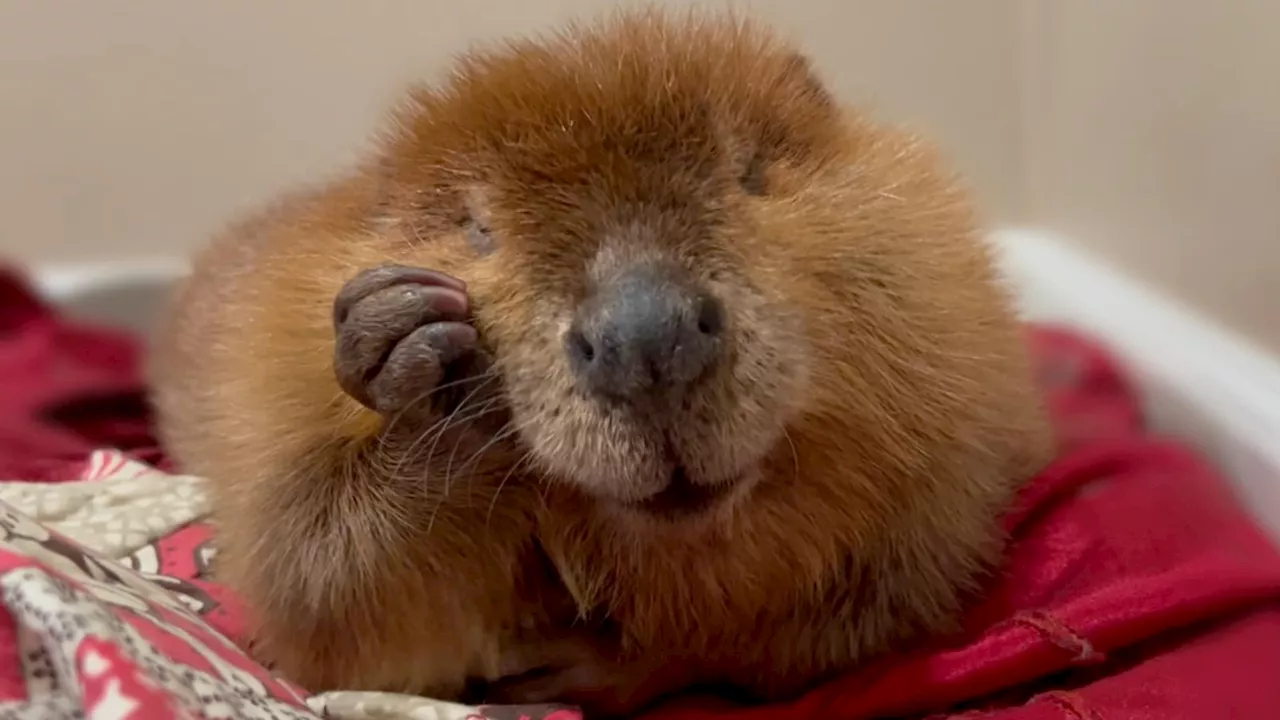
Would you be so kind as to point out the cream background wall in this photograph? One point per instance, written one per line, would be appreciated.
(1148, 130)
(1153, 137)
(138, 126)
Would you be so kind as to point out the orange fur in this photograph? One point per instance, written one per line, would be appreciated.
(879, 398)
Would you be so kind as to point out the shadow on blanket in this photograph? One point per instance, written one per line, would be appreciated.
(1136, 586)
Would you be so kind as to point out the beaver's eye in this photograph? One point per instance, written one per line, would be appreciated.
(480, 237)
(475, 220)
(752, 178)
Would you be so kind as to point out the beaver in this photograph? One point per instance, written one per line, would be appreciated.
(629, 360)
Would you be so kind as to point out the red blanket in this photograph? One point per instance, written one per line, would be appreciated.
(65, 388)
(1136, 586)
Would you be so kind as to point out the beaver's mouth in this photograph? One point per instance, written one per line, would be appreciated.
(682, 497)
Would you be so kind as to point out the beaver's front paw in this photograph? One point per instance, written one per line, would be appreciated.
(399, 330)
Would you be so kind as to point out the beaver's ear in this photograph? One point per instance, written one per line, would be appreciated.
(798, 70)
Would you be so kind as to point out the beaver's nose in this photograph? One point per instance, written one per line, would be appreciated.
(647, 331)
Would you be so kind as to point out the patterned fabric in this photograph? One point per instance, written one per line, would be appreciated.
(119, 506)
(96, 639)
(113, 615)
(389, 706)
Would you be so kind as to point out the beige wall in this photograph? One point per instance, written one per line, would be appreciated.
(1154, 138)
(138, 126)
(1146, 129)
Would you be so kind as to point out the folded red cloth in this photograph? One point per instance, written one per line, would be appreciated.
(65, 388)
(1136, 586)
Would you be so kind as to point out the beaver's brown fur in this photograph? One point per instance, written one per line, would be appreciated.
(876, 413)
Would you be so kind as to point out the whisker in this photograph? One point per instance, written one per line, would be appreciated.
(498, 436)
(795, 454)
(524, 459)
(485, 408)
(508, 430)
(432, 429)
(428, 395)
(435, 432)
(448, 421)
